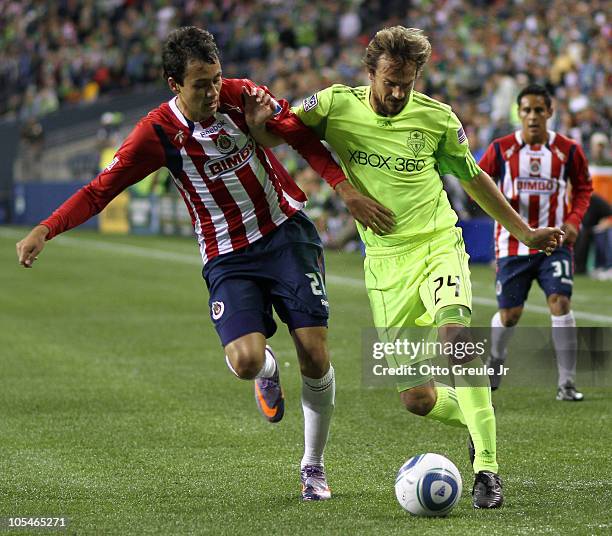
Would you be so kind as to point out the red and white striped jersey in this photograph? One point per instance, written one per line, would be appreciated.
(235, 190)
(548, 185)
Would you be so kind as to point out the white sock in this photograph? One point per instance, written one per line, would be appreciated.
(566, 346)
(269, 366)
(267, 370)
(318, 396)
(500, 336)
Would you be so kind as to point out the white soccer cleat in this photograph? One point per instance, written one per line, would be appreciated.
(568, 392)
(314, 483)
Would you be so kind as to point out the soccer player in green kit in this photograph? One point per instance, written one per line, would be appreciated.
(394, 144)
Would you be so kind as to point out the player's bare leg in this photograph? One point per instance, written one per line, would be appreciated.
(421, 399)
(502, 329)
(435, 401)
(318, 396)
(566, 346)
(249, 358)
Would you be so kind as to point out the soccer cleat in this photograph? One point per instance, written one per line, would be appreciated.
(269, 395)
(487, 491)
(568, 392)
(314, 483)
(496, 377)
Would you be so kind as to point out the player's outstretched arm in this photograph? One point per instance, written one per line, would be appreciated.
(140, 155)
(29, 248)
(484, 191)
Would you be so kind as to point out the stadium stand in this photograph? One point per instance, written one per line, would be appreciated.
(79, 55)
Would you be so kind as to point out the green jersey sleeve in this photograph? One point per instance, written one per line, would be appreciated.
(314, 110)
(453, 154)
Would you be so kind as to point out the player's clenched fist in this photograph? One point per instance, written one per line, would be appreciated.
(259, 106)
(29, 248)
(546, 239)
(366, 211)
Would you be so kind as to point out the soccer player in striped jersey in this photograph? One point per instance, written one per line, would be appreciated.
(393, 144)
(258, 249)
(545, 177)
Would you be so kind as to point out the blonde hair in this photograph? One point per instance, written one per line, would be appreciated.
(398, 44)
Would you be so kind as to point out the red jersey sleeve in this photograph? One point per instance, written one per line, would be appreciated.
(288, 126)
(582, 187)
(488, 162)
(140, 155)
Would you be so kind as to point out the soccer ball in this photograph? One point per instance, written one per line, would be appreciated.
(428, 485)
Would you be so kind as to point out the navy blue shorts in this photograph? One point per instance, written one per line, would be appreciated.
(554, 273)
(285, 269)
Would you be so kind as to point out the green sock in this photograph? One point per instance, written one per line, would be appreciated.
(446, 409)
(475, 404)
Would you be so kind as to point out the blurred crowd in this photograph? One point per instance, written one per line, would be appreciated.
(54, 52)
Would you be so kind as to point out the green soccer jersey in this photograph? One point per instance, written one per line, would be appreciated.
(396, 160)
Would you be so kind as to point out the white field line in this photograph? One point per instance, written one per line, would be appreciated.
(194, 259)
(576, 298)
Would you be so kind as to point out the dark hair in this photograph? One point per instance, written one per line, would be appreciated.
(535, 89)
(186, 44)
(399, 44)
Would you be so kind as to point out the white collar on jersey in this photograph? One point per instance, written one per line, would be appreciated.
(177, 112)
(551, 137)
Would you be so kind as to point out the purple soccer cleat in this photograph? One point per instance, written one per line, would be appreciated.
(314, 483)
(269, 395)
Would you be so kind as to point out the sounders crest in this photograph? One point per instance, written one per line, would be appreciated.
(416, 142)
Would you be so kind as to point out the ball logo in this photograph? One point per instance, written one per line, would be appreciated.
(216, 309)
(225, 143)
(439, 498)
(441, 491)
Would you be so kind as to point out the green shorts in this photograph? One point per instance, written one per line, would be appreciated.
(408, 284)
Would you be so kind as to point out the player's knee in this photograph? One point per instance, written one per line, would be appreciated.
(510, 317)
(559, 304)
(246, 362)
(315, 364)
(454, 333)
(419, 400)
(313, 355)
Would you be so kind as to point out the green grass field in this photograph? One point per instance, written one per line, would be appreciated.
(117, 411)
